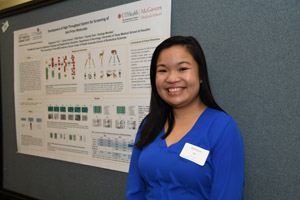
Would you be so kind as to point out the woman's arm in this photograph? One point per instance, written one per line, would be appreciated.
(228, 165)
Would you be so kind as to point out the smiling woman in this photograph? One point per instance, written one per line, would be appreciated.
(187, 147)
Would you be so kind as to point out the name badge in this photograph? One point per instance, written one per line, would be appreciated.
(194, 154)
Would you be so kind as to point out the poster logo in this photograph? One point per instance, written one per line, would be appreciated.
(129, 16)
(36, 35)
(24, 37)
(151, 12)
(143, 13)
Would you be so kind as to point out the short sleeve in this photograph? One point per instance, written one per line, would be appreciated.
(228, 165)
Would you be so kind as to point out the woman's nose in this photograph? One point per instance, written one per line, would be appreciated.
(172, 77)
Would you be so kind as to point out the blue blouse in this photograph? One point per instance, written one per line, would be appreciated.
(159, 172)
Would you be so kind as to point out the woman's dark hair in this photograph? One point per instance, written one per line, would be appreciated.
(160, 112)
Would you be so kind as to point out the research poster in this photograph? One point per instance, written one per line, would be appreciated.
(82, 84)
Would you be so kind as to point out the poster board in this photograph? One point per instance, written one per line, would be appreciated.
(252, 53)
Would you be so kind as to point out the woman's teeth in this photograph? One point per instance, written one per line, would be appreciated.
(174, 89)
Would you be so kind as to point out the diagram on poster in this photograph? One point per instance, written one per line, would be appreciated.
(82, 84)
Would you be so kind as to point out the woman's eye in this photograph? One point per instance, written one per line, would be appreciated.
(183, 69)
(161, 70)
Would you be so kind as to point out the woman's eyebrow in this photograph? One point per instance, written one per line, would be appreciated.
(160, 65)
(184, 62)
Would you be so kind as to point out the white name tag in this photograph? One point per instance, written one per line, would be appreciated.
(194, 153)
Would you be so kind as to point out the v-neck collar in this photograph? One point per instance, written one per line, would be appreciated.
(162, 142)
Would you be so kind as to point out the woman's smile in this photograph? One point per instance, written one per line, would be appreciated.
(175, 90)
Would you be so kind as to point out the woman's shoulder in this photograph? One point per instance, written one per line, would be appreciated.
(222, 127)
(218, 115)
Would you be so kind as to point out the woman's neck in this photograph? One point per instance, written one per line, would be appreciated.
(190, 112)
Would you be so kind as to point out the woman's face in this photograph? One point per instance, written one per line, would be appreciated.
(177, 79)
